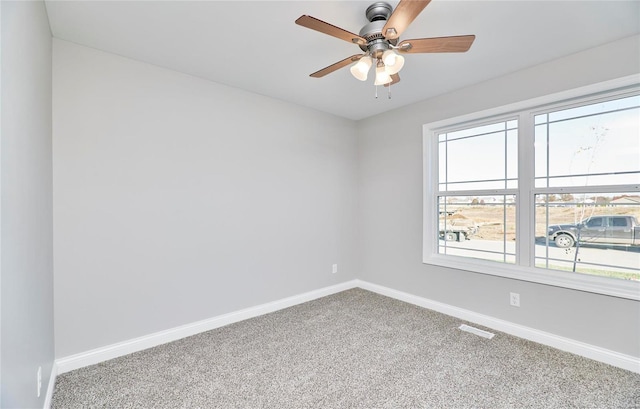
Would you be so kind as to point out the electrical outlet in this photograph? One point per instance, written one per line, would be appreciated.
(39, 380)
(334, 268)
(514, 299)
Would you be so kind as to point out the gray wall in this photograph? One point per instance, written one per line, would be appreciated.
(178, 199)
(390, 149)
(26, 270)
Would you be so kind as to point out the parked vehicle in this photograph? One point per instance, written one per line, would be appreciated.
(457, 230)
(614, 229)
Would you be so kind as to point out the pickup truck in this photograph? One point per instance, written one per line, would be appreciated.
(616, 229)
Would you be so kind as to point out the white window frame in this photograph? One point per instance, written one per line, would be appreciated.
(524, 269)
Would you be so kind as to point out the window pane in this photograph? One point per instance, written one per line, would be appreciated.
(589, 234)
(478, 227)
(595, 109)
(541, 119)
(477, 158)
(540, 149)
(598, 149)
(442, 162)
(489, 184)
(512, 154)
(478, 130)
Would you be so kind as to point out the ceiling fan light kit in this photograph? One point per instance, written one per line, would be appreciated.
(361, 68)
(379, 40)
(382, 76)
(393, 62)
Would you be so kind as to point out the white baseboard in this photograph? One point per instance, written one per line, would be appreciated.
(596, 353)
(50, 386)
(98, 355)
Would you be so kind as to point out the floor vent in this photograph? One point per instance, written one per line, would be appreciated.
(477, 331)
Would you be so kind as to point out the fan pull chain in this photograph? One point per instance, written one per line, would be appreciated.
(389, 86)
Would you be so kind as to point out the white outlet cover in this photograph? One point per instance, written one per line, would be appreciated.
(514, 299)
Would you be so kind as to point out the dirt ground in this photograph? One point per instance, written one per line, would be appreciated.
(491, 218)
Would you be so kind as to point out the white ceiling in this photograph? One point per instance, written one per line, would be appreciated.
(255, 45)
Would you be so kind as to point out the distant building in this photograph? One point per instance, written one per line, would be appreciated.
(626, 200)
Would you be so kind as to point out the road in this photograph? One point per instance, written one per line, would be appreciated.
(619, 258)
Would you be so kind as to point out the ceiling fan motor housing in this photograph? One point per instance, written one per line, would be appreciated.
(377, 14)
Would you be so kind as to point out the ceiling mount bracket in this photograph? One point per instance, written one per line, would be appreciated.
(379, 10)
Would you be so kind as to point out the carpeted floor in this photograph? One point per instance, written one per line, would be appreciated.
(355, 349)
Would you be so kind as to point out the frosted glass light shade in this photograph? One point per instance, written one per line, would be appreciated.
(382, 76)
(389, 57)
(361, 68)
(393, 62)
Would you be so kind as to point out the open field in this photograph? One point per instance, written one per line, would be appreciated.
(494, 223)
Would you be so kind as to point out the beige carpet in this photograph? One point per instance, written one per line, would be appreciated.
(355, 349)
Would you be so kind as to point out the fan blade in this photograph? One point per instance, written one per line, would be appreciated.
(395, 78)
(406, 11)
(326, 28)
(336, 66)
(454, 44)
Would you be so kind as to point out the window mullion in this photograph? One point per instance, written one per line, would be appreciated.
(525, 210)
(431, 188)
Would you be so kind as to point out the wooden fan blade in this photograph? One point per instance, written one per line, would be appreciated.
(336, 66)
(402, 16)
(326, 28)
(454, 44)
(395, 78)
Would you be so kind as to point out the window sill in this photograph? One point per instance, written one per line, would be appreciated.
(576, 281)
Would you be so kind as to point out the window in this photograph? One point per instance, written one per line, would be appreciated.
(478, 178)
(597, 222)
(619, 222)
(547, 193)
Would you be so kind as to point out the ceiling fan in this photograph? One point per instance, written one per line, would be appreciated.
(380, 41)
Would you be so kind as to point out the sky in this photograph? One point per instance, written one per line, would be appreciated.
(597, 138)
